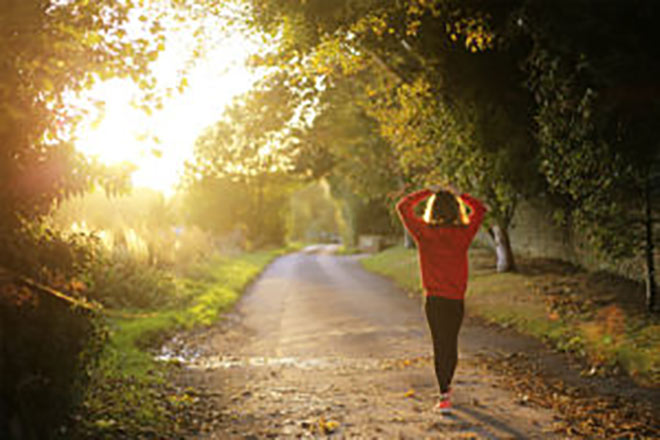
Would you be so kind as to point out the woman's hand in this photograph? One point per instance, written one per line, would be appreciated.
(447, 187)
(452, 189)
(397, 194)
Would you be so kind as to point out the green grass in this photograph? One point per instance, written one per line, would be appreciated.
(397, 263)
(129, 391)
(347, 250)
(513, 300)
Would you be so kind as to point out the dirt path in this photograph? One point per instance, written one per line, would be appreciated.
(319, 346)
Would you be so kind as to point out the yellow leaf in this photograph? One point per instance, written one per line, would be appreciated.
(48, 84)
(328, 426)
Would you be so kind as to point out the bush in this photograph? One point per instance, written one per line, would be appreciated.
(119, 280)
(47, 345)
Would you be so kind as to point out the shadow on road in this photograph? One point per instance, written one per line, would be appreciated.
(470, 415)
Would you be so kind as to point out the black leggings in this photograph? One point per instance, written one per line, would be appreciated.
(444, 316)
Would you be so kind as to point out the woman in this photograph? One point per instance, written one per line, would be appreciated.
(443, 237)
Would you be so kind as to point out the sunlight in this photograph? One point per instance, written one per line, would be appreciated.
(159, 144)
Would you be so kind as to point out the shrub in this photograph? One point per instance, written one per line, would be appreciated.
(47, 345)
(119, 280)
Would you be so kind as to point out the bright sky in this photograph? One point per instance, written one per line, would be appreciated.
(118, 135)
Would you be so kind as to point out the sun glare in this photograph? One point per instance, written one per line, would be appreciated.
(159, 144)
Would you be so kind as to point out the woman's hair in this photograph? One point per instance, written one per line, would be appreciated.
(444, 209)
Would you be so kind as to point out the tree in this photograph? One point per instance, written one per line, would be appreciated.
(313, 214)
(253, 214)
(441, 80)
(434, 145)
(242, 153)
(50, 48)
(593, 71)
(543, 96)
(343, 146)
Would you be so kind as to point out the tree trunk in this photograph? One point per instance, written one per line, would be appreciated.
(257, 235)
(505, 261)
(651, 287)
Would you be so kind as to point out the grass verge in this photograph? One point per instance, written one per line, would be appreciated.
(347, 250)
(591, 315)
(130, 395)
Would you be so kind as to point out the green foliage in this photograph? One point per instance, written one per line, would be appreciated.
(358, 215)
(444, 90)
(140, 225)
(46, 254)
(344, 143)
(238, 181)
(216, 205)
(246, 142)
(343, 146)
(506, 99)
(50, 48)
(119, 280)
(313, 214)
(247, 212)
(49, 348)
(596, 120)
(47, 344)
(48, 351)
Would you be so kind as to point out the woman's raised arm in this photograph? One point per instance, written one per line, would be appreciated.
(406, 209)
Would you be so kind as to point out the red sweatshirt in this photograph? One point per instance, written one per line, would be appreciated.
(442, 250)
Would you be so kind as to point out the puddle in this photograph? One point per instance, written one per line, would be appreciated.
(225, 362)
(197, 361)
(178, 358)
(176, 351)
